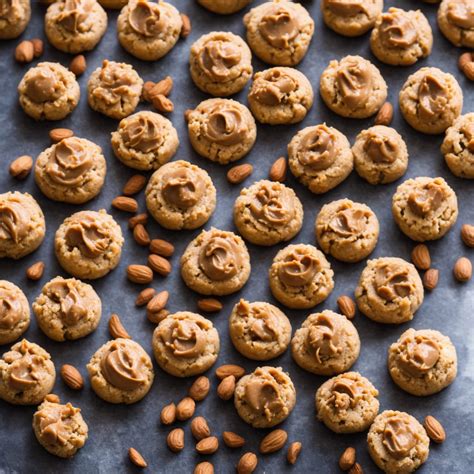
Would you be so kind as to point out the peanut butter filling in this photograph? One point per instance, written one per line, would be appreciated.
(349, 222)
(399, 437)
(263, 323)
(323, 338)
(10, 309)
(182, 187)
(273, 87)
(392, 281)
(272, 205)
(461, 14)
(225, 124)
(346, 393)
(87, 235)
(217, 57)
(279, 26)
(115, 83)
(145, 18)
(14, 220)
(42, 85)
(220, 257)
(426, 199)
(354, 82)
(418, 355)
(432, 97)
(396, 30)
(56, 424)
(346, 8)
(185, 338)
(74, 14)
(381, 148)
(298, 268)
(141, 133)
(73, 307)
(318, 148)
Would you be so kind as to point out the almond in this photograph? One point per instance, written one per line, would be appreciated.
(204, 468)
(38, 47)
(247, 464)
(145, 296)
(141, 235)
(175, 440)
(125, 203)
(58, 134)
(467, 235)
(20, 167)
(72, 377)
(162, 87)
(356, 469)
(466, 65)
(186, 28)
(52, 398)
(420, 256)
(140, 274)
(157, 317)
(430, 279)
(463, 269)
(233, 440)
(273, 442)
(209, 305)
(347, 459)
(230, 369)
(134, 185)
(346, 306)
(159, 264)
(239, 173)
(158, 302)
(278, 170)
(25, 52)
(168, 414)
(78, 65)
(207, 445)
(185, 409)
(116, 328)
(294, 450)
(35, 272)
(138, 219)
(468, 70)
(136, 458)
(200, 428)
(199, 389)
(162, 247)
(162, 103)
(434, 429)
(384, 115)
(226, 388)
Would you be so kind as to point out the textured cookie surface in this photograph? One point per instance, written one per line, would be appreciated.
(14, 312)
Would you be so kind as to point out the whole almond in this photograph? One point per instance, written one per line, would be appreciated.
(434, 429)
(430, 279)
(226, 388)
(161, 247)
(463, 269)
(140, 274)
(185, 409)
(347, 459)
(356, 469)
(420, 256)
(199, 389)
(230, 369)
(293, 452)
(208, 445)
(157, 317)
(38, 47)
(72, 377)
(58, 134)
(200, 428)
(136, 458)
(159, 264)
(138, 219)
(125, 203)
(158, 302)
(346, 306)
(78, 65)
(163, 87)
(247, 463)
(147, 87)
(239, 173)
(52, 398)
(116, 328)
(134, 185)
(141, 235)
(25, 52)
(187, 114)
(278, 170)
(175, 440)
(35, 272)
(468, 70)
(162, 103)
(145, 296)
(273, 442)
(233, 440)
(204, 468)
(20, 167)
(186, 28)
(209, 305)
(168, 414)
(467, 235)
(384, 115)
(466, 65)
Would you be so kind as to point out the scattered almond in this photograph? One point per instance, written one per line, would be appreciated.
(204, 468)
(125, 203)
(136, 458)
(147, 87)
(430, 279)
(185, 409)
(35, 272)
(278, 170)
(466, 65)
(163, 87)
(140, 274)
(356, 469)
(162, 103)
(293, 452)
(199, 389)
(209, 305)
(200, 428)
(158, 302)
(38, 47)
(467, 235)
(273, 442)
(58, 134)
(161, 247)
(141, 235)
(434, 429)
(226, 388)
(138, 219)
(78, 65)
(346, 306)
(116, 328)
(239, 173)
(230, 369)
(384, 115)
(233, 440)
(168, 414)
(186, 28)
(159, 264)
(72, 377)
(420, 256)
(347, 459)
(134, 185)
(20, 167)
(247, 463)
(463, 269)
(157, 317)
(52, 398)
(25, 52)
(145, 296)
(208, 445)
(175, 440)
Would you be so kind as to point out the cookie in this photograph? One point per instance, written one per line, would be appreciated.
(347, 403)
(121, 372)
(14, 18)
(71, 171)
(320, 157)
(380, 155)
(216, 262)
(259, 330)
(267, 213)
(148, 30)
(300, 276)
(14, 312)
(347, 230)
(185, 344)
(327, 343)
(67, 309)
(401, 38)
(74, 27)
(458, 147)
(224, 7)
(88, 244)
(279, 32)
(145, 141)
(48, 91)
(180, 195)
(280, 95)
(425, 208)
(431, 100)
(222, 130)
(389, 291)
(422, 362)
(220, 63)
(60, 429)
(265, 398)
(351, 18)
(114, 89)
(455, 20)
(397, 442)
(27, 374)
(22, 225)
(113, 4)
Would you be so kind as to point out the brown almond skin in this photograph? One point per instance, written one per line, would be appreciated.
(162, 103)
(38, 47)
(200, 388)
(147, 86)
(138, 219)
(157, 317)
(200, 428)
(25, 52)
(463, 269)
(140, 274)
(134, 185)
(226, 388)
(204, 468)
(420, 256)
(58, 134)
(247, 463)
(238, 174)
(233, 440)
(185, 409)
(21, 167)
(161, 247)
(430, 279)
(125, 203)
(384, 115)
(209, 305)
(273, 442)
(434, 429)
(78, 65)
(35, 272)
(347, 459)
(466, 65)
(356, 469)
(175, 440)
(207, 445)
(168, 414)
(278, 170)
(293, 452)
(72, 377)
(141, 235)
(52, 398)
(163, 87)
(158, 302)
(145, 296)
(467, 235)
(159, 264)
(116, 328)
(230, 369)
(136, 458)
(186, 28)
(347, 306)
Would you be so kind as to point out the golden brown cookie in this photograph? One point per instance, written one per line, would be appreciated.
(14, 312)
(14, 18)
(456, 22)
(224, 7)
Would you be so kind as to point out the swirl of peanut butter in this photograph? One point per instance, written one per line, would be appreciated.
(346, 393)
(182, 187)
(55, 423)
(399, 436)
(145, 18)
(141, 133)
(42, 85)
(225, 124)
(346, 8)
(217, 57)
(115, 83)
(123, 366)
(354, 82)
(396, 30)
(298, 268)
(73, 15)
(185, 338)
(323, 338)
(72, 306)
(423, 200)
(419, 354)
(272, 87)
(318, 148)
(220, 257)
(381, 149)
(10, 309)
(14, 220)
(262, 322)
(27, 369)
(349, 222)
(279, 26)
(393, 281)
(432, 97)
(87, 235)
(461, 14)
(272, 205)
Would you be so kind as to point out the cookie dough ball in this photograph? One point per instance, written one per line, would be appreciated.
(347, 403)
(27, 374)
(74, 27)
(320, 157)
(422, 362)
(279, 32)
(14, 18)
(353, 18)
(401, 38)
(22, 225)
(88, 244)
(145, 141)
(265, 398)
(220, 63)
(280, 95)
(458, 147)
(67, 309)
(431, 100)
(389, 290)
(60, 429)
(114, 89)
(455, 20)
(347, 230)
(300, 276)
(222, 130)
(327, 343)
(113, 4)
(121, 372)
(267, 213)
(14, 312)
(48, 91)
(224, 7)
(397, 442)
(216, 262)
(185, 344)
(259, 331)
(180, 195)
(425, 208)
(71, 171)
(380, 155)
(148, 30)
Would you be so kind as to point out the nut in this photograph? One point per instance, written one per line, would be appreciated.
(138, 219)
(162, 103)
(116, 328)
(273, 442)
(186, 28)
(209, 305)
(356, 469)
(347, 459)
(466, 65)
(145, 296)
(162, 247)
(226, 388)
(430, 279)
(134, 185)
(199, 389)
(162, 87)
(156, 318)
(463, 269)
(384, 115)
(230, 369)
(168, 414)
(72, 377)
(20, 167)
(140, 274)
(52, 398)
(204, 468)
(207, 445)
(185, 409)
(35, 272)
(200, 428)
(346, 306)
(175, 440)
(158, 302)
(78, 65)
(420, 256)
(247, 463)
(141, 235)
(233, 440)
(136, 458)
(147, 87)
(38, 47)
(25, 52)
(434, 429)
(278, 170)
(58, 134)
(467, 235)
(239, 173)
(294, 450)
(125, 203)
(159, 264)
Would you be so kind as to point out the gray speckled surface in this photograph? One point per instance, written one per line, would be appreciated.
(114, 428)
